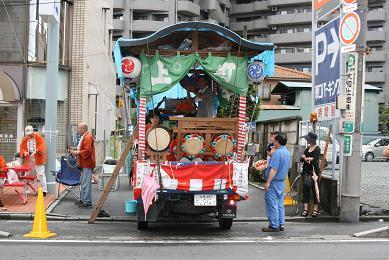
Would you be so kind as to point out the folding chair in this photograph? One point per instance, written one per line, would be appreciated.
(69, 175)
(109, 165)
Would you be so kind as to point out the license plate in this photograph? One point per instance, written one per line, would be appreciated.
(201, 200)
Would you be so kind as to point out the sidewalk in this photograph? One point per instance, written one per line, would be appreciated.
(14, 204)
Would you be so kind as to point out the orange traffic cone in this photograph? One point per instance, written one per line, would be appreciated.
(39, 228)
(288, 201)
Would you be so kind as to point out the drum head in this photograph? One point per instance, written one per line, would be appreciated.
(193, 146)
(184, 159)
(158, 139)
(197, 159)
(224, 146)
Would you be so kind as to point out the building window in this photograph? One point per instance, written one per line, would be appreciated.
(140, 17)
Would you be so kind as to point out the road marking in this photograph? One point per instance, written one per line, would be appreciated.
(69, 241)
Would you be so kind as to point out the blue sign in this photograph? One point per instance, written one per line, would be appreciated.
(327, 64)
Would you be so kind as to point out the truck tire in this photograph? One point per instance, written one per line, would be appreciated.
(225, 223)
(142, 225)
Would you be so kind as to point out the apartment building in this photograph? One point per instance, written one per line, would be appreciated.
(286, 23)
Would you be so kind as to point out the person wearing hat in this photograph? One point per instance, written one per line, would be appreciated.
(311, 159)
(33, 150)
(206, 107)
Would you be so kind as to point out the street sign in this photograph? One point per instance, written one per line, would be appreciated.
(348, 2)
(324, 7)
(351, 85)
(348, 144)
(349, 28)
(327, 70)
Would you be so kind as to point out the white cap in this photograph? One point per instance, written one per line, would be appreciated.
(28, 130)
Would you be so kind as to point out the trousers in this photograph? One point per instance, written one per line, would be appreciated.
(86, 186)
(274, 204)
(41, 176)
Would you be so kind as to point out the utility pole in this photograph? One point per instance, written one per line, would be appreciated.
(351, 172)
(51, 16)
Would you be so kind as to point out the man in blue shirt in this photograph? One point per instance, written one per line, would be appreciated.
(276, 174)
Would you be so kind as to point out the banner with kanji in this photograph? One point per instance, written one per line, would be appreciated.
(159, 74)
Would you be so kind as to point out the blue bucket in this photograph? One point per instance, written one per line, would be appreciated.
(130, 206)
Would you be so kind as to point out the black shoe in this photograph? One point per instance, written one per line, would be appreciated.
(44, 194)
(85, 206)
(79, 202)
(270, 229)
(282, 228)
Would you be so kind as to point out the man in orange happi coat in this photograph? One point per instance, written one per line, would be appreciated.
(86, 160)
(33, 150)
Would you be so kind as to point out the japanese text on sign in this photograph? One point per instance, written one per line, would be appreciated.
(350, 85)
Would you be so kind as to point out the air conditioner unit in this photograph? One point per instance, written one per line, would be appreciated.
(274, 8)
(274, 27)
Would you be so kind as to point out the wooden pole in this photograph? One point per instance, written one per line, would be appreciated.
(325, 150)
(111, 181)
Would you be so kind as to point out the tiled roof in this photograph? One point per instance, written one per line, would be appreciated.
(286, 73)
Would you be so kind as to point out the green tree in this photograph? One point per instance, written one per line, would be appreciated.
(384, 119)
(230, 108)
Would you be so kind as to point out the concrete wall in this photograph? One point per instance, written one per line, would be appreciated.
(93, 72)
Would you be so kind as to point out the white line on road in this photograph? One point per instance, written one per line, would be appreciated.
(69, 241)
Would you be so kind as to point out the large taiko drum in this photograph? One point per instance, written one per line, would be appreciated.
(193, 145)
(223, 146)
(158, 138)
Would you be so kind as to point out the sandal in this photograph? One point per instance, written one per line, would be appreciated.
(305, 213)
(103, 214)
(314, 213)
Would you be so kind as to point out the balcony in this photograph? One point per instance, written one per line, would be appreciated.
(376, 36)
(249, 8)
(118, 4)
(375, 77)
(260, 39)
(188, 8)
(251, 25)
(151, 5)
(290, 58)
(376, 15)
(214, 10)
(118, 24)
(287, 2)
(148, 25)
(290, 18)
(376, 56)
(290, 37)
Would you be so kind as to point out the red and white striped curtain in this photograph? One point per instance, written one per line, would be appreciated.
(142, 128)
(242, 126)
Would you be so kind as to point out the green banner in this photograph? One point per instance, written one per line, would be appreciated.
(166, 72)
(159, 74)
(229, 72)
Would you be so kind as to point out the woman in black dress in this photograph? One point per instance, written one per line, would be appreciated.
(311, 158)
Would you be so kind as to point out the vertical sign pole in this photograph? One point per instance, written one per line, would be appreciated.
(313, 66)
(349, 212)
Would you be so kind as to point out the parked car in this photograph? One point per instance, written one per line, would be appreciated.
(374, 149)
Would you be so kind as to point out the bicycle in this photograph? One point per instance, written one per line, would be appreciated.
(294, 192)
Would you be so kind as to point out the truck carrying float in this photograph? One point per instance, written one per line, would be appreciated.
(187, 166)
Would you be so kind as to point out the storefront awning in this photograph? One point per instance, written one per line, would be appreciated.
(9, 91)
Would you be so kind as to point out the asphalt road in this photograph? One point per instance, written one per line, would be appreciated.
(263, 250)
(115, 240)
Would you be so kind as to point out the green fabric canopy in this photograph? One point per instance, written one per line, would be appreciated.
(159, 74)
